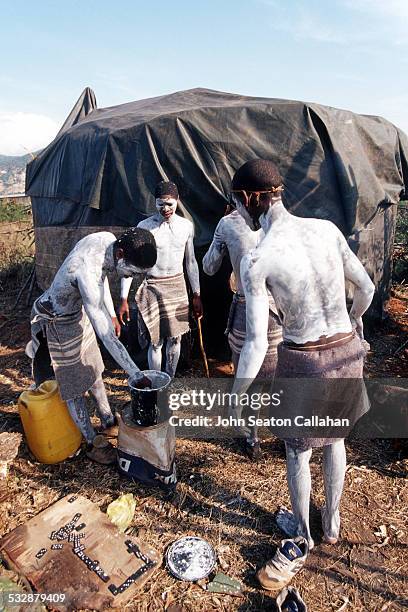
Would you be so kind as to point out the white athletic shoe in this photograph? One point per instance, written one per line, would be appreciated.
(285, 564)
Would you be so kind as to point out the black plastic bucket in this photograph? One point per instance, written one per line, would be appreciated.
(144, 401)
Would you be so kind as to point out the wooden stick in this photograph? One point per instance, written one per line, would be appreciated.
(31, 288)
(20, 293)
(200, 336)
(401, 347)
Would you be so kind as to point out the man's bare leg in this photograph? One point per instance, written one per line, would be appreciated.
(98, 391)
(173, 347)
(79, 413)
(101, 452)
(334, 470)
(299, 483)
(250, 433)
(154, 356)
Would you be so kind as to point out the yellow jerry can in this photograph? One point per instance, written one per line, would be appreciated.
(51, 434)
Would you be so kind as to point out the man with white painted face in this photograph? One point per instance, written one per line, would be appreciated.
(162, 298)
(233, 237)
(64, 318)
(304, 263)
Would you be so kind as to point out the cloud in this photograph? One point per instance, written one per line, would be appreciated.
(390, 8)
(370, 19)
(303, 23)
(310, 27)
(21, 133)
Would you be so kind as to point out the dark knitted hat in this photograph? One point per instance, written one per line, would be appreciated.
(257, 175)
(166, 188)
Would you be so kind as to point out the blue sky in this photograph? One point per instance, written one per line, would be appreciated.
(346, 53)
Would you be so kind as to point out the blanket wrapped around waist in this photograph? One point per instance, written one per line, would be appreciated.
(75, 355)
(163, 308)
(329, 385)
(236, 330)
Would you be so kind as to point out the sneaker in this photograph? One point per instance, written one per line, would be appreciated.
(286, 563)
(289, 600)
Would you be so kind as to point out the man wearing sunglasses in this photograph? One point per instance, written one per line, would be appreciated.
(162, 299)
(233, 237)
(304, 263)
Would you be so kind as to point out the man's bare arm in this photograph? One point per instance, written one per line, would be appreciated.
(92, 294)
(107, 298)
(124, 312)
(257, 321)
(110, 307)
(364, 287)
(212, 260)
(191, 265)
(193, 275)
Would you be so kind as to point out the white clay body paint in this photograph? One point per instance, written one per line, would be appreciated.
(174, 237)
(174, 242)
(233, 236)
(304, 264)
(81, 281)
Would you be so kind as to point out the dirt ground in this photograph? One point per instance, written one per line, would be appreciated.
(230, 501)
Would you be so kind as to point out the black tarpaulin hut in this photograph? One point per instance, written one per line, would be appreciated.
(101, 169)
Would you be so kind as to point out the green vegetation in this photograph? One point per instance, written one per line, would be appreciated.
(14, 209)
(401, 230)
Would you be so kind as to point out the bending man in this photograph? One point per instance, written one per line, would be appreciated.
(304, 264)
(65, 316)
(162, 298)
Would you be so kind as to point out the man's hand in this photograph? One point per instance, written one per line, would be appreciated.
(124, 315)
(197, 306)
(116, 326)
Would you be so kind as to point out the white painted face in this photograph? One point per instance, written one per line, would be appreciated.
(166, 207)
(124, 269)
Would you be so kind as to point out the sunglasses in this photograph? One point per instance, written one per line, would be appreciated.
(240, 196)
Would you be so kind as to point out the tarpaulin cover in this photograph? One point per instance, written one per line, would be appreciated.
(336, 165)
(85, 104)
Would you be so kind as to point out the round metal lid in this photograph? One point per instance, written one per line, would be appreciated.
(190, 558)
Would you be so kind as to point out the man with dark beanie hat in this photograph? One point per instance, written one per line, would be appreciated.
(303, 263)
(162, 299)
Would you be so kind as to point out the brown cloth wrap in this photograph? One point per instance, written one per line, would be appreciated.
(344, 363)
(236, 330)
(163, 308)
(73, 348)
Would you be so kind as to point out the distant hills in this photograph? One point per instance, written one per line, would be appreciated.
(12, 174)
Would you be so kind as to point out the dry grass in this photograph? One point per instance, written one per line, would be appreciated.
(230, 501)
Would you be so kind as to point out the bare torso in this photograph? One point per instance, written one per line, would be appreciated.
(86, 260)
(304, 264)
(301, 262)
(233, 235)
(174, 242)
(171, 239)
(82, 281)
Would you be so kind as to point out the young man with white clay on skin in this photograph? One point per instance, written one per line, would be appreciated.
(162, 299)
(232, 236)
(304, 263)
(64, 318)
